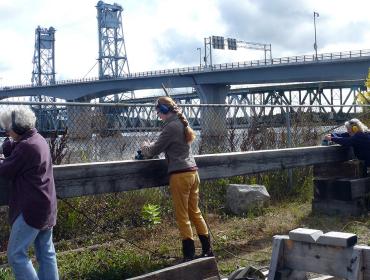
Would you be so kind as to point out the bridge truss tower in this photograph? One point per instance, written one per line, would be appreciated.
(44, 57)
(112, 59)
(43, 73)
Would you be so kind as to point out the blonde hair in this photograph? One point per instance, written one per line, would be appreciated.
(358, 124)
(172, 106)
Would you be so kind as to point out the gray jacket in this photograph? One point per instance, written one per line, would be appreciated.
(172, 142)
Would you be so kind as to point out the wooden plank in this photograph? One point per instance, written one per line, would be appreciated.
(349, 169)
(234, 164)
(197, 269)
(358, 188)
(354, 269)
(323, 187)
(288, 274)
(365, 250)
(95, 178)
(107, 177)
(339, 207)
(345, 189)
(326, 277)
(277, 256)
(321, 259)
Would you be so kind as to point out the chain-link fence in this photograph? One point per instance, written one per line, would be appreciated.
(105, 132)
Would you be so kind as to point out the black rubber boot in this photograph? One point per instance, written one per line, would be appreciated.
(188, 249)
(206, 246)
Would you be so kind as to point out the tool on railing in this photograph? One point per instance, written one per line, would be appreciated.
(327, 143)
(139, 155)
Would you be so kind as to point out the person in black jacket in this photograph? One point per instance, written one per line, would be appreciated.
(357, 137)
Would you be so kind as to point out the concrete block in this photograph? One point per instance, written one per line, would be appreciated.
(305, 235)
(341, 239)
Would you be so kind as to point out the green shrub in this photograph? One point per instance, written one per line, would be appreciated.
(151, 214)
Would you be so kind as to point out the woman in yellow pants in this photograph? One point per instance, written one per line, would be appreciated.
(175, 140)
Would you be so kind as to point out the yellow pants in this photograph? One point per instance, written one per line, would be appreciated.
(184, 189)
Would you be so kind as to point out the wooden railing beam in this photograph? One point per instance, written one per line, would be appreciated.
(74, 180)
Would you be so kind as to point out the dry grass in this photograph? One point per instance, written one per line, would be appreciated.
(247, 241)
(237, 242)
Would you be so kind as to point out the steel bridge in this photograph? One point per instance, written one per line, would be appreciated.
(331, 82)
(315, 93)
(214, 81)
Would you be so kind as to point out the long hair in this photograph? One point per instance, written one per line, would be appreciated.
(172, 106)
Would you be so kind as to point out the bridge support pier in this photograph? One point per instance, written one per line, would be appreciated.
(79, 122)
(213, 119)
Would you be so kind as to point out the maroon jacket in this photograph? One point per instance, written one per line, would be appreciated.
(28, 164)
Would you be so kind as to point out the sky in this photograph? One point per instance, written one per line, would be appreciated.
(163, 34)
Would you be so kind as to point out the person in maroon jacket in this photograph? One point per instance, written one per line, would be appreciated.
(32, 202)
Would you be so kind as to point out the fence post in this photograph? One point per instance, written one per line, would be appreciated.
(289, 143)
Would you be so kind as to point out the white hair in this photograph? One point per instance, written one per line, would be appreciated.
(358, 123)
(24, 117)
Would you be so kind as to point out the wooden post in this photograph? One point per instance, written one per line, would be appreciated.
(203, 268)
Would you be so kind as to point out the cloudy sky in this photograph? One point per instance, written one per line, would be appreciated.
(161, 34)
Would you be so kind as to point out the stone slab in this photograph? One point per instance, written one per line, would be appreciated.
(305, 235)
(335, 238)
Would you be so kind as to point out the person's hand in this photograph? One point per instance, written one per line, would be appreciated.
(327, 137)
(145, 143)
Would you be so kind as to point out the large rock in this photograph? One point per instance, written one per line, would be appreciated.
(242, 198)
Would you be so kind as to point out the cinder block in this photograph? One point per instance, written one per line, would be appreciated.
(305, 235)
(341, 239)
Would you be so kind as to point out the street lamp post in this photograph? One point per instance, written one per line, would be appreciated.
(200, 57)
(314, 24)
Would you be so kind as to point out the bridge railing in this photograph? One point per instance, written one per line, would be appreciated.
(323, 57)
